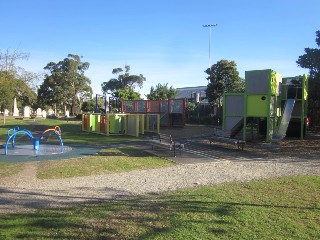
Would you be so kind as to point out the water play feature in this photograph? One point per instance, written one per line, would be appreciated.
(35, 148)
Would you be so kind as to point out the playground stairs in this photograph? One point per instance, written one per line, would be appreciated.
(164, 118)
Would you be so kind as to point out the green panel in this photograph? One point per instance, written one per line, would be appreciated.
(92, 123)
(115, 124)
(305, 86)
(97, 123)
(274, 82)
(257, 107)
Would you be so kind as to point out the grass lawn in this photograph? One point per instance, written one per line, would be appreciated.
(8, 169)
(110, 160)
(71, 132)
(285, 208)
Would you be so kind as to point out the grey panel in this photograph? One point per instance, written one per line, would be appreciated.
(152, 123)
(128, 106)
(176, 106)
(132, 121)
(142, 106)
(164, 106)
(234, 105)
(257, 82)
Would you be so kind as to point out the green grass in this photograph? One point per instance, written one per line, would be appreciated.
(285, 208)
(112, 160)
(71, 132)
(9, 169)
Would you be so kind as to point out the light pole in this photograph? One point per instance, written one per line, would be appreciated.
(209, 26)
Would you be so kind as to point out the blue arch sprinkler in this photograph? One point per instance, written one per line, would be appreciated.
(13, 132)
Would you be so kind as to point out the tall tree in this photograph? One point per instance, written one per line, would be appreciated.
(65, 84)
(15, 81)
(223, 77)
(311, 61)
(162, 92)
(128, 94)
(124, 84)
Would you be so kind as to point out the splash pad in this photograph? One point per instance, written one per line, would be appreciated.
(35, 149)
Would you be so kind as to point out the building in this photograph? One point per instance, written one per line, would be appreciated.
(193, 94)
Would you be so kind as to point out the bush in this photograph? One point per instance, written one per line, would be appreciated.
(79, 116)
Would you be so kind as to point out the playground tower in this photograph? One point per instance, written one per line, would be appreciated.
(270, 106)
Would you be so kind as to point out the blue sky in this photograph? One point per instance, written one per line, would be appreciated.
(163, 40)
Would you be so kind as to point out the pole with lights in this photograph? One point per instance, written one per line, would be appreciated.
(210, 26)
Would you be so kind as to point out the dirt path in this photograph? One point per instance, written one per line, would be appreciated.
(25, 192)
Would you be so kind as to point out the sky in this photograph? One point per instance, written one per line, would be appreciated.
(163, 40)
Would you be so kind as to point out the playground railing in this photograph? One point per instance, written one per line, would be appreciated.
(166, 142)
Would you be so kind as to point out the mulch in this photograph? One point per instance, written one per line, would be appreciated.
(308, 148)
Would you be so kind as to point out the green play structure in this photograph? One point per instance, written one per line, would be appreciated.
(126, 124)
(271, 106)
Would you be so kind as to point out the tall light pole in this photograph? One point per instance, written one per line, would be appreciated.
(209, 26)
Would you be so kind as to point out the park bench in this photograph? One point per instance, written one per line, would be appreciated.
(224, 137)
(166, 141)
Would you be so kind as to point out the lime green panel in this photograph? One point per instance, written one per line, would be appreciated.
(274, 82)
(257, 106)
(97, 123)
(305, 86)
(92, 123)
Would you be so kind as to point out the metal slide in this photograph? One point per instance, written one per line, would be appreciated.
(284, 122)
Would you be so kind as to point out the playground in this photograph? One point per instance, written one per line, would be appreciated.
(198, 179)
(195, 138)
(113, 175)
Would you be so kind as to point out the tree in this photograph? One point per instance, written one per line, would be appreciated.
(191, 107)
(6, 90)
(25, 95)
(223, 77)
(311, 61)
(15, 81)
(65, 84)
(162, 92)
(89, 105)
(123, 84)
(128, 94)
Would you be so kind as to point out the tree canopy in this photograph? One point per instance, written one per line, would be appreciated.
(65, 84)
(162, 92)
(124, 84)
(223, 77)
(311, 60)
(15, 81)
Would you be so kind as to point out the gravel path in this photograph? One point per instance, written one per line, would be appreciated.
(25, 192)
